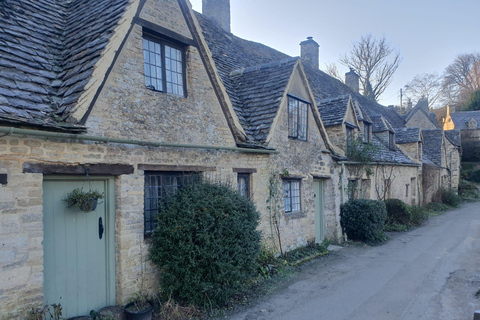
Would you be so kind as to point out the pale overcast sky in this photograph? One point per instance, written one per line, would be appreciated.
(428, 33)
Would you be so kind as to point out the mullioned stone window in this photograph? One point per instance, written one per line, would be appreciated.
(164, 66)
(297, 119)
(158, 187)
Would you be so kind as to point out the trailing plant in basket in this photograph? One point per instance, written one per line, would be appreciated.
(85, 201)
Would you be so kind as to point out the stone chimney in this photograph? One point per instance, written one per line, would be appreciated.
(409, 104)
(309, 52)
(352, 80)
(218, 11)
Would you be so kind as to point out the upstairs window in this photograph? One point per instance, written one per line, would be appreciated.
(366, 132)
(297, 119)
(291, 195)
(391, 141)
(164, 66)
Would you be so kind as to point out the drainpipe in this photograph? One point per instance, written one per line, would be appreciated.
(342, 184)
(84, 137)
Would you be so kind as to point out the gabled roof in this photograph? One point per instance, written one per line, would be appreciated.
(256, 94)
(333, 110)
(380, 124)
(48, 50)
(360, 112)
(432, 145)
(231, 53)
(407, 135)
(454, 137)
(383, 154)
(461, 118)
(422, 107)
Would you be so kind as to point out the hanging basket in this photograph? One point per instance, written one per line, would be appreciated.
(85, 201)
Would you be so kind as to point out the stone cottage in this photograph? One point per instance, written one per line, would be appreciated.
(468, 122)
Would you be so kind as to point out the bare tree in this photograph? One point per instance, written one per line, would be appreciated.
(426, 85)
(375, 62)
(332, 70)
(462, 77)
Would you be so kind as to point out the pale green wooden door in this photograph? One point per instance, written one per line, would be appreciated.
(78, 264)
(319, 209)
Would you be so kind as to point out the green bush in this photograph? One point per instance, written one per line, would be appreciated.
(397, 212)
(206, 244)
(364, 220)
(436, 207)
(450, 197)
(468, 190)
(474, 176)
(418, 215)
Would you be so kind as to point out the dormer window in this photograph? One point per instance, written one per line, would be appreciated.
(297, 118)
(391, 141)
(164, 66)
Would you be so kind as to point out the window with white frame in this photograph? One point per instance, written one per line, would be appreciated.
(291, 195)
(297, 119)
(163, 66)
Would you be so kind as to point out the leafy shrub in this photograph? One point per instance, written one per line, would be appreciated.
(397, 212)
(475, 176)
(468, 190)
(418, 215)
(364, 220)
(449, 197)
(206, 244)
(436, 206)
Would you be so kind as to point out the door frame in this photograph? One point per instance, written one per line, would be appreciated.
(109, 224)
(319, 209)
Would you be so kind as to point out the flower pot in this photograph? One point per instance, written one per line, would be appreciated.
(144, 314)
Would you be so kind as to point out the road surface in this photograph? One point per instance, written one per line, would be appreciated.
(431, 272)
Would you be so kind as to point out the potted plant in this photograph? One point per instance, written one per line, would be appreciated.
(85, 201)
(139, 308)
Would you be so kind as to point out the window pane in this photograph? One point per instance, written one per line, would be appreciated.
(159, 85)
(158, 60)
(158, 48)
(287, 196)
(145, 44)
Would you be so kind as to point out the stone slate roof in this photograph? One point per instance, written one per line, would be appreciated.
(407, 135)
(422, 106)
(384, 154)
(333, 110)
(325, 87)
(360, 112)
(432, 145)
(454, 137)
(461, 118)
(48, 50)
(257, 93)
(380, 124)
(231, 53)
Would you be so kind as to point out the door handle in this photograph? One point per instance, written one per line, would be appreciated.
(100, 228)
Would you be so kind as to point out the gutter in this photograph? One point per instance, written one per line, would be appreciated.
(83, 137)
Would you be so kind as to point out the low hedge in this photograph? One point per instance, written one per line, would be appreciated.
(397, 212)
(364, 220)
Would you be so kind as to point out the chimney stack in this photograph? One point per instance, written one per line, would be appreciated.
(309, 52)
(218, 11)
(409, 104)
(352, 80)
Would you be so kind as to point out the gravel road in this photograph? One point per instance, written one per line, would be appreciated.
(431, 272)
